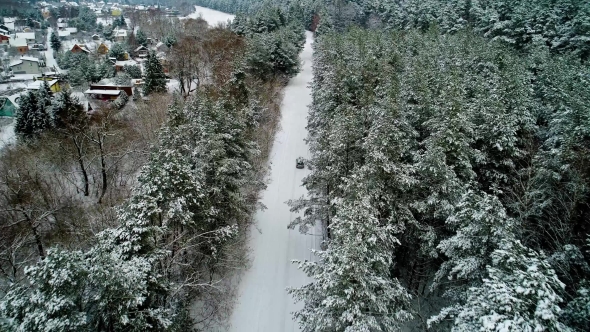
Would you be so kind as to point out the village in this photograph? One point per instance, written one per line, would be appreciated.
(96, 50)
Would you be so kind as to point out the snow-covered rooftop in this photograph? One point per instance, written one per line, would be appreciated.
(25, 35)
(103, 92)
(37, 84)
(126, 63)
(63, 33)
(29, 58)
(18, 42)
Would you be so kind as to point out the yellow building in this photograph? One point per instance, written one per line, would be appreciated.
(116, 12)
(102, 49)
(56, 85)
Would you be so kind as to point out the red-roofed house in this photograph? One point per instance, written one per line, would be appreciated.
(79, 48)
(4, 39)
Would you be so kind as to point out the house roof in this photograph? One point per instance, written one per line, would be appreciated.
(63, 33)
(35, 85)
(72, 30)
(62, 25)
(141, 47)
(82, 47)
(103, 92)
(25, 35)
(29, 58)
(126, 63)
(120, 33)
(9, 25)
(3, 34)
(18, 42)
(15, 63)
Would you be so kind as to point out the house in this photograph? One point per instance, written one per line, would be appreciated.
(55, 84)
(120, 35)
(62, 26)
(63, 34)
(112, 87)
(4, 39)
(28, 36)
(161, 47)
(4, 28)
(26, 65)
(72, 31)
(115, 11)
(119, 65)
(141, 52)
(20, 45)
(102, 49)
(95, 37)
(105, 95)
(79, 48)
(8, 105)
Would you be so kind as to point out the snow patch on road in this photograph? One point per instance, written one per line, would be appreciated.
(263, 303)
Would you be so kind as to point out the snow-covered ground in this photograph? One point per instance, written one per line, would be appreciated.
(50, 61)
(263, 303)
(6, 132)
(213, 17)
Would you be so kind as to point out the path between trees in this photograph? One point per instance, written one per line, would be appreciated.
(263, 303)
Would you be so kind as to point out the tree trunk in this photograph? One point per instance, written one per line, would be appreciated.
(82, 166)
(36, 235)
(103, 169)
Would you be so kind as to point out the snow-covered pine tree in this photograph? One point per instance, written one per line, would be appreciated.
(44, 100)
(154, 78)
(353, 289)
(30, 119)
(23, 123)
(521, 293)
(55, 42)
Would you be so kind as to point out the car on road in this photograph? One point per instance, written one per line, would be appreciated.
(299, 163)
(38, 47)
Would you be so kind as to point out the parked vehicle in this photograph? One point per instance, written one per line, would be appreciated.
(299, 163)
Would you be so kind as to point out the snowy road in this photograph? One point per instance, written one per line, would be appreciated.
(263, 304)
(49, 59)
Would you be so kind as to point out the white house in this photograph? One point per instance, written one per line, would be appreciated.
(26, 65)
(63, 34)
(28, 36)
(120, 35)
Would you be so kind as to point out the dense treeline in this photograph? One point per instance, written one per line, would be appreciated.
(451, 174)
(562, 25)
(162, 246)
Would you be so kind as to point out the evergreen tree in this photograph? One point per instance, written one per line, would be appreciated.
(141, 38)
(55, 42)
(43, 109)
(352, 288)
(67, 112)
(154, 78)
(132, 71)
(31, 119)
(521, 293)
(117, 51)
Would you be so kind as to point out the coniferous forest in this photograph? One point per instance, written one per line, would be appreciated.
(450, 166)
(450, 172)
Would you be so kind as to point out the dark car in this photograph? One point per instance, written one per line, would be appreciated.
(299, 163)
